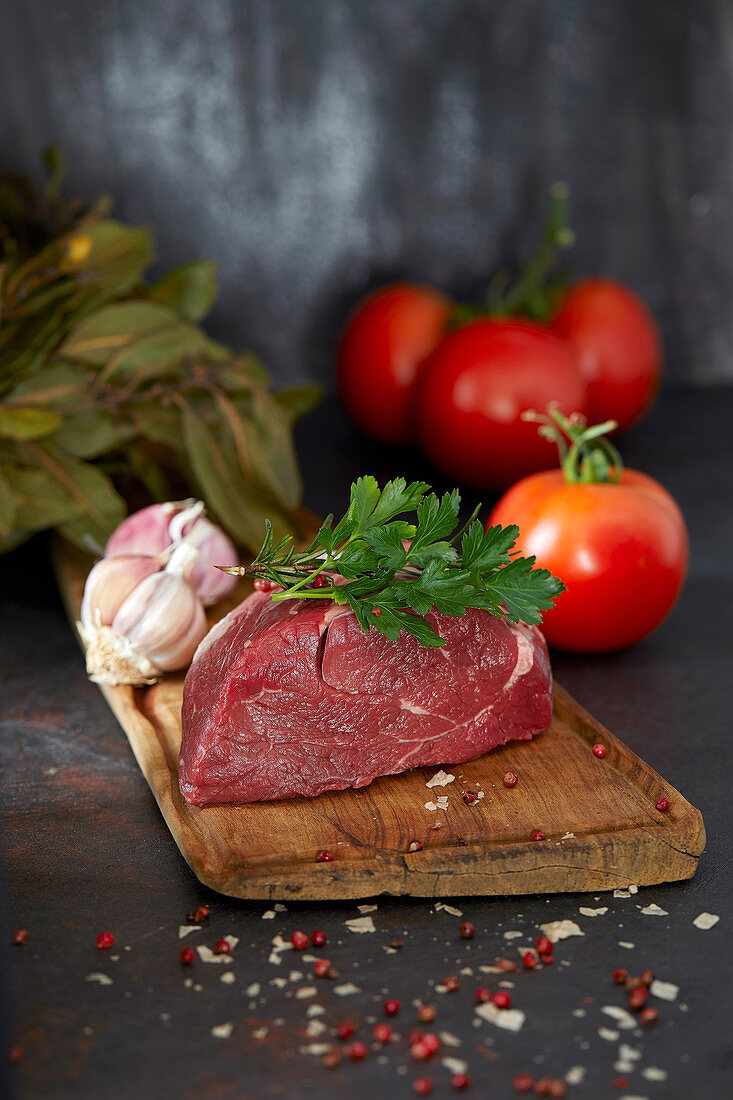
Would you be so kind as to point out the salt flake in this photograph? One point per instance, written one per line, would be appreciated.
(222, 1031)
(208, 956)
(653, 1073)
(255, 988)
(705, 921)
(346, 989)
(449, 1039)
(228, 977)
(103, 979)
(557, 930)
(627, 893)
(305, 992)
(623, 1018)
(586, 912)
(360, 924)
(608, 1034)
(455, 1065)
(269, 914)
(511, 1019)
(367, 908)
(187, 929)
(440, 779)
(654, 910)
(666, 991)
(440, 906)
(575, 1075)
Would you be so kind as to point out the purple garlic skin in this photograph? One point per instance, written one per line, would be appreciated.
(159, 527)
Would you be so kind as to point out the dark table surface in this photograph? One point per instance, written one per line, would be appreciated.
(85, 849)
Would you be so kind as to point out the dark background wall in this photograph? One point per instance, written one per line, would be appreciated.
(315, 147)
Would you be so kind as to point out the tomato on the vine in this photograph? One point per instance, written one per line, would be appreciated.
(385, 342)
(473, 389)
(618, 347)
(614, 536)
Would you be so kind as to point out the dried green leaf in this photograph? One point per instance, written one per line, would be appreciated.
(115, 327)
(39, 499)
(27, 423)
(93, 432)
(58, 384)
(190, 289)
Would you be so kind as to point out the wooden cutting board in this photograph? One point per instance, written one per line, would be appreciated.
(598, 815)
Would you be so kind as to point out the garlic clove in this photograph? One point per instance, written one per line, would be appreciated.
(214, 548)
(146, 531)
(113, 659)
(181, 652)
(110, 582)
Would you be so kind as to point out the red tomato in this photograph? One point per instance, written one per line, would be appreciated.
(473, 389)
(621, 550)
(618, 347)
(384, 344)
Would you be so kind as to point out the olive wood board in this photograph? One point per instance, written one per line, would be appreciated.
(598, 815)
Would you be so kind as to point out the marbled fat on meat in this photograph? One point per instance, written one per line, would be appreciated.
(291, 698)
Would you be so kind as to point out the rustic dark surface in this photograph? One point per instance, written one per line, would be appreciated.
(317, 148)
(84, 849)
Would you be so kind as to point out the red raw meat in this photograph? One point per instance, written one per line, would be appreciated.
(291, 698)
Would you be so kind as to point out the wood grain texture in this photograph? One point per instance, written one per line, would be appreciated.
(598, 816)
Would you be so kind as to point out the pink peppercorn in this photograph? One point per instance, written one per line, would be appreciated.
(426, 1014)
(322, 968)
(431, 1041)
(482, 995)
(20, 936)
(223, 947)
(420, 1051)
(299, 941)
(187, 956)
(318, 938)
(530, 959)
(345, 1029)
(460, 1081)
(105, 940)
(523, 1082)
(324, 857)
(544, 945)
(537, 835)
(467, 931)
(357, 1051)
(662, 805)
(391, 1007)
(502, 999)
(422, 1086)
(382, 1033)
(452, 983)
(511, 779)
(599, 751)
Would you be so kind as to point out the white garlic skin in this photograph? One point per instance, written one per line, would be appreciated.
(109, 584)
(155, 529)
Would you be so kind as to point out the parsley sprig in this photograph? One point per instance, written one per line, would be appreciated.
(390, 586)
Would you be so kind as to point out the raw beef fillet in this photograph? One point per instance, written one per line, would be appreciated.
(291, 698)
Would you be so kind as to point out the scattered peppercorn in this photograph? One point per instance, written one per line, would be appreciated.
(556, 1088)
(396, 944)
(482, 995)
(414, 1036)
(345, 1029)
(299, 941)
(544, 945)
(382, 1033)
(620, 976)
(20, 936)
(331, 1058)
(262, 585)
(357, 1051)
(469, 797)
(105, 940)
(620, 1083)
(318, 938)
(542, 1087)
(649, 1017)
(420, 1051)
(452, 983)
(187, 956)
(530, 958)
(662, 804)
(322, 968)
(646, 977)
(324, 857)
(15, 1055)
(319, 582)
(201, 914)
(537, 835)
(467, 931)
(632, 983)
(523, 1082)
(599, 751)
(426, 1014)
(415, 846)
(511, 779)
(223, 947)
(376, 612)
(422, 1086)
(460, 1081)
(431, 1041)
(637, 998)
(502, 999)
(391, 1006)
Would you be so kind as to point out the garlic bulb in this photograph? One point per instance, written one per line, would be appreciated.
(155, 628)
(158, 528)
